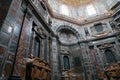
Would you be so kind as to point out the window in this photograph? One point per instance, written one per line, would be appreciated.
(109, 56)
(66, 63)
(91, 10)
(64, 10)
(98, 27)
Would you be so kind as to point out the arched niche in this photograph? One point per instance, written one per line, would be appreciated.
(66, 62)
(110, 57)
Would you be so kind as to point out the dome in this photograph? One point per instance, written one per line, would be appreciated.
(75, 3)
(81, 10)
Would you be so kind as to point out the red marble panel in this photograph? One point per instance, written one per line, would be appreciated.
(22, 44)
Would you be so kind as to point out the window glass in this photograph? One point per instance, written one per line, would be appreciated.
(36, 47)
(66, 63)
(64, 10)
(109, 56)
(91, 10)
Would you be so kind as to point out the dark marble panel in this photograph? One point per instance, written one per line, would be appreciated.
(13, 47)
(4, 38)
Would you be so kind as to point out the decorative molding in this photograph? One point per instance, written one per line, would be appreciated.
(101, 34)
(69, 28)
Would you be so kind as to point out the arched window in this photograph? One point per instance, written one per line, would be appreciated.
(91, 10)
(36, 47)
(66, 63)
(109, 56)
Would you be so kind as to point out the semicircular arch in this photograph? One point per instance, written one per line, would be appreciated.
(67, 27)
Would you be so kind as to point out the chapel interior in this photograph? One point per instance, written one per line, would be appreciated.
(59, 39)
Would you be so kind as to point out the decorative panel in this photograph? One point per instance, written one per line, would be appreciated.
(16, 33)
(99, 30)
(13, 46)
(7, 70)
(4, 38)
(109, 56)
(77, 65)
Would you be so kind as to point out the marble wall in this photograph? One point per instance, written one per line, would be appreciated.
(17, 39)
(9, 35)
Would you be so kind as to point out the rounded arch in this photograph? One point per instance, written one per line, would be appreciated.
(67, 27)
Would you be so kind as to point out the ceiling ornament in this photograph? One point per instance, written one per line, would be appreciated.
(76, 3)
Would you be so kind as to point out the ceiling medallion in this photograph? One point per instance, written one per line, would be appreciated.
(75, 3)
